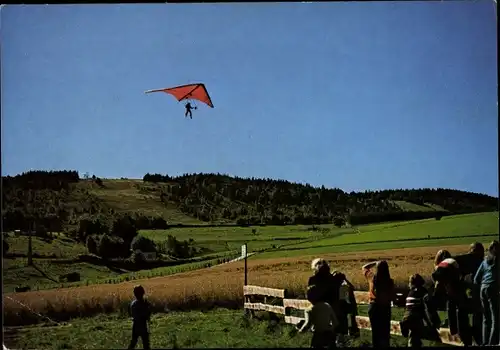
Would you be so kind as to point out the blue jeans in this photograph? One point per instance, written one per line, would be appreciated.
(489, 301)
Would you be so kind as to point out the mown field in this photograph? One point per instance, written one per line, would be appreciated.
(220, 328)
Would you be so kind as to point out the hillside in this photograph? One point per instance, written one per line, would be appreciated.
(59, 200)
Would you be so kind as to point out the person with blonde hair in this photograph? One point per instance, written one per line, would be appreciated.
(328, 284)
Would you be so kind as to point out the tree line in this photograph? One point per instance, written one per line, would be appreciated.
(250, 201)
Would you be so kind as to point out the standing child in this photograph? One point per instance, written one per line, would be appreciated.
(321, 318)
(487, 278)
(140, 310)
(418, 311)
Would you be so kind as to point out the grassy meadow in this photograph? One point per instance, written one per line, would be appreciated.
(220, 328)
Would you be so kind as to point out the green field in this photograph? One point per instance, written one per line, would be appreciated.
(267, 241)
(460, 229)
(219, 328)
(219, 239)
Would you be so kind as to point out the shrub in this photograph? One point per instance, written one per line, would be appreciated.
(125, 228)
(110, 247)
(92, 244)
(70, 277)
(144, 244)
(339, 221)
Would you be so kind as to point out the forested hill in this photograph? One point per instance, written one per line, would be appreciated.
(215, 196)
(59, 199)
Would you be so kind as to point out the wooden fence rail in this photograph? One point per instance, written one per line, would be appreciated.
(279, 296)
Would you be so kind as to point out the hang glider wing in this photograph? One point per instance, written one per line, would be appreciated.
(186, 92)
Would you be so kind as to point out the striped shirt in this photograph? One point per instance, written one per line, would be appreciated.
(415, 300)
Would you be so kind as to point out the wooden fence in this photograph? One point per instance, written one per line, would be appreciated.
(273, 296)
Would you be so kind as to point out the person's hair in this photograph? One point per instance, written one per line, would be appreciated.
(440, 256)
(139, 291)
(382, 279)
(416, 281)
(492, 253)
(320, 265)
(477, 248)
(313, 294)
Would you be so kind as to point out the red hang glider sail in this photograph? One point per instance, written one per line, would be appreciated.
(188, 92)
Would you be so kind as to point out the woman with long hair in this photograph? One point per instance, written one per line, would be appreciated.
(381, 293)
(487, 277)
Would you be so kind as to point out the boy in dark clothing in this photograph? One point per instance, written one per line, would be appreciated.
(419, 314)
(321, 318)
(140, 310)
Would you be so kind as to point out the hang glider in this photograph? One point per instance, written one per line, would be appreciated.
(188, 92)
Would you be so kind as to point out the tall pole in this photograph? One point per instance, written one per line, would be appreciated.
(244, 252)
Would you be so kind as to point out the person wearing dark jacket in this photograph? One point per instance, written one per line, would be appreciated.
(487, 278)
(419, 314)
(381, 293)
(140, 310)
(469, 264)
(447, 276)
(327, 284)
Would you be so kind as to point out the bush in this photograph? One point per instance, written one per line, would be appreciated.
(125, 228)
(92, 244)
(87, 227)
(110, 247)
(339, 221)
(144, 244)
(70, 277)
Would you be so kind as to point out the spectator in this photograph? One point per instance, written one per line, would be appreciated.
(469, 264)
(487, 278)
(381, 294)
(140, 310)
(328, 284)
(321, 318)
(448, 278)
(419, 314)
(348, 310)
(439, 295)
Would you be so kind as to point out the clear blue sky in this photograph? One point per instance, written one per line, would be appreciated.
(350, 95)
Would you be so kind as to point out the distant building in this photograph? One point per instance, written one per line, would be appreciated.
(149, 256)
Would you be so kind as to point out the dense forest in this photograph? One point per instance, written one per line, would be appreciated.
(53, 200)
(212, 197)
